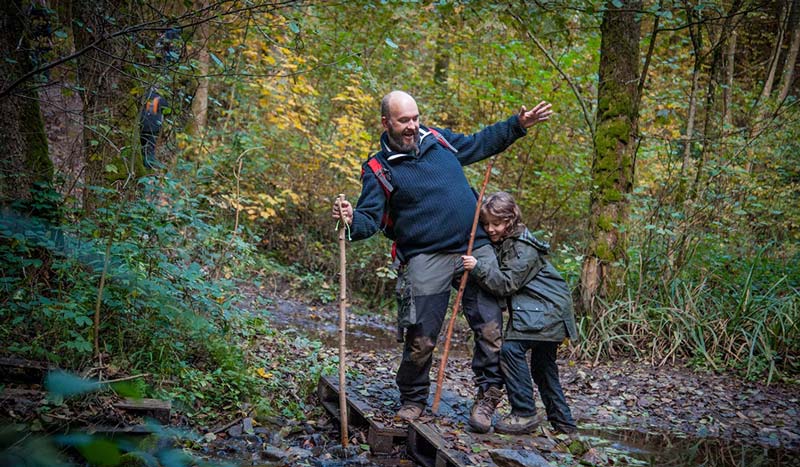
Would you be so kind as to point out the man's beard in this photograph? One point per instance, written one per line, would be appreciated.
(396, 142)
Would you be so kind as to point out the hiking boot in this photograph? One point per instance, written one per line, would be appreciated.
(565, 429)
(480, 418)
(517, 425)
(409, 412)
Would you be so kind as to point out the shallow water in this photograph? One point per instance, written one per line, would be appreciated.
(665, 449)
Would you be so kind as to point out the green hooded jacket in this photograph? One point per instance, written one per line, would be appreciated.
(537, 297)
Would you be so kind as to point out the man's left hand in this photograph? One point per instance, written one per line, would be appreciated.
(540, 113)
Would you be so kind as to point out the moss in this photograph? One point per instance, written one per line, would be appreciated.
(612, 195)
(132, 459)
(605, 223)
(604, 252)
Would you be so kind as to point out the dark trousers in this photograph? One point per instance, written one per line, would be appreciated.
(148, 143)
(543, 370)
(431, 278)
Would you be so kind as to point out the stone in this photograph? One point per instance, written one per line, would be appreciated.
(516, 458)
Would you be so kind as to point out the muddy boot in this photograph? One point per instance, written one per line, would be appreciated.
(564, 428)
(409, 412)
(480, 419)
(517, 425)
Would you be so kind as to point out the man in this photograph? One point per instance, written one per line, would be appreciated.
(150, 120)
(432, 206)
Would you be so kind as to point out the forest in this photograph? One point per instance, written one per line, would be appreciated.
(154, 261)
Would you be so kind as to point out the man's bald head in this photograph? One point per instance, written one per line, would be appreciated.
(394, 98)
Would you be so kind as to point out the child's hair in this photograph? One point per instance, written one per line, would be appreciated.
(501, 205)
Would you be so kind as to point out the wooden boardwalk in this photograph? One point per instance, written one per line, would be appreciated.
(442, 440)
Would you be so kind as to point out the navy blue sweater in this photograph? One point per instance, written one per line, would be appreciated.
(432, 204)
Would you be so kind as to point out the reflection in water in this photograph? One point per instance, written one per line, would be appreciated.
(669, 450)
(364, 333)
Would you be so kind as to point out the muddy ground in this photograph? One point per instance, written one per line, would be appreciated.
(632, 405)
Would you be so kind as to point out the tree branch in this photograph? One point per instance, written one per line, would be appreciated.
(154, 25)
(586, 116)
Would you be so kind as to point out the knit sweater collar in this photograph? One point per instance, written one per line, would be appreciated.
(426, 139)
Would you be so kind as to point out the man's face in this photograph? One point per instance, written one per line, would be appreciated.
(402, 124)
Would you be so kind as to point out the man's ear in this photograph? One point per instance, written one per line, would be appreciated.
(385, 122)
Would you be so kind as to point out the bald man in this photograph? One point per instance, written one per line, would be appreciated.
(431, 205)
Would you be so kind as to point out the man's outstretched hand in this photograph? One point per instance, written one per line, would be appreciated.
(538, 114)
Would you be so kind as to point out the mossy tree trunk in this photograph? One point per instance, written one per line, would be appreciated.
(602, 274)
(24, 160)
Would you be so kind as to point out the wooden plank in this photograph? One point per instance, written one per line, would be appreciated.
(381, 438)
(23, 371)
(118, 430)
(153, 408)
(429, 449)
(22, 393)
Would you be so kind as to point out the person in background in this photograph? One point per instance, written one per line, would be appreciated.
(151, 119)
(539, 304)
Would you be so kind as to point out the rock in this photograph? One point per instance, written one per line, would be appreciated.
(299, 453)
(271, 453)
(514, 458)
(247, 426)
(594, 457)
(235, 431)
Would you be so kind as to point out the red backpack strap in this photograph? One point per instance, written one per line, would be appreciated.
(380, 172)
(442, 141)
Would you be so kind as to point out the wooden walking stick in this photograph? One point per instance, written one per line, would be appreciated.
(342, 325)
(457, 304)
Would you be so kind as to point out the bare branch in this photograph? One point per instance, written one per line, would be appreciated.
(586, 115)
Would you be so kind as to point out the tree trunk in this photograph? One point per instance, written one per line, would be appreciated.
(613, 161)
(101, 79)
(711, 131)
(200, 100)
(729, 69)
(774, 59)
(25, 159)
(697, 42)
(789, 64)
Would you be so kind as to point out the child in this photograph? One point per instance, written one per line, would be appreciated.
(538, 301)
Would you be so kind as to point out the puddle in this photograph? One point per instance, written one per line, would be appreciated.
(669, 450)
(364, 332)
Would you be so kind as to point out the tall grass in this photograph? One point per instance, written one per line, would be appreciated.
(744, 322)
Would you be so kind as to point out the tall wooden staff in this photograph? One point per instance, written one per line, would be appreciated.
(440, 376)
(342, 326)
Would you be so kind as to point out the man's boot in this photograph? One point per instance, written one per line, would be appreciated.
(480, 419)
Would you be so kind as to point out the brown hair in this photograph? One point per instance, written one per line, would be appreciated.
(501, 205)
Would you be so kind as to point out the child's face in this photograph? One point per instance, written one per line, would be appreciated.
(496, 228)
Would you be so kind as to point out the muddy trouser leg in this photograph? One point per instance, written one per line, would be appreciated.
(429, 276)
(544, 371)
(517, 377)
(485, 318)
(413, 376)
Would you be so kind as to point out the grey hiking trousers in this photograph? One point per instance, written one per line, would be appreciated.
(423, 290)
